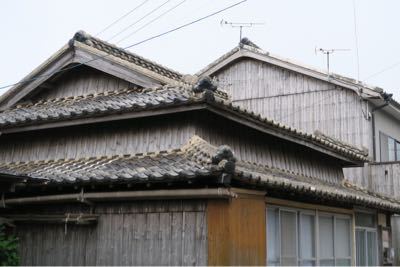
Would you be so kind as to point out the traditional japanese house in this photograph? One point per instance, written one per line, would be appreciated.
(107, 158)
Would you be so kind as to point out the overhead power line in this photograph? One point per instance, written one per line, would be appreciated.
(139, 20)
(122, 17)
(187, 24)
(148, 23)
(130, 46)
(383, 70)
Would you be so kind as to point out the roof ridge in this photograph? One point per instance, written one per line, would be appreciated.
(87, 39)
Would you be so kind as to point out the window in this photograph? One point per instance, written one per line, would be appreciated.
(390, 148)
(308, 238)
(366, 239)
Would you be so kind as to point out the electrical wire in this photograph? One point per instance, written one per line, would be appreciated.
(139, 20)
(148, 23)
(135, 44)
(383, 70)
(187, 24)
(122, 17)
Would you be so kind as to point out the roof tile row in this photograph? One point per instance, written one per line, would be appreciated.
(194, 161)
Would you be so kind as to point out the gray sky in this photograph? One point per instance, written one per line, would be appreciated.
(31, 31)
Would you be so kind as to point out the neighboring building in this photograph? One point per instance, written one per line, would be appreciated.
(314, 100)
(121, 161)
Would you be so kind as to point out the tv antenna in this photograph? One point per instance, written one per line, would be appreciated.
(328, 52)
(240, 25)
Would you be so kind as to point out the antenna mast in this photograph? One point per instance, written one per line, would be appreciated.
(240, 25)
(328, 52)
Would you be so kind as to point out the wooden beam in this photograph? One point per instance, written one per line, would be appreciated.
(202, 193)
(88, 53)
(106, 118)
(302, 205)
(61, 59)
(105, 65)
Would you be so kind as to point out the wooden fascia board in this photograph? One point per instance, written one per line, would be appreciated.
(304, 205)
(106, 65)
(246, 53)
(107, 118)
(302, 70)
(61, 59)
(213, 69)
(101, 56)
(257, 125)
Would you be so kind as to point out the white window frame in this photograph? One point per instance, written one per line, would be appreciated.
(367, 229)
(316, 213)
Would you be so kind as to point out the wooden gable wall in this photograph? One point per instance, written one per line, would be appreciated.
(168, 132)
(297, 100)
(79, 81)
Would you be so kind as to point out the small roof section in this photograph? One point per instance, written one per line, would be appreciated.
(84, 49)
(196, 162)
(125, 104)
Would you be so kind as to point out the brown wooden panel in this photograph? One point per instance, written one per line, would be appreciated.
(236, 231)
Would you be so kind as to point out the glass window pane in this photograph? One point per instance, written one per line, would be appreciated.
(398, 151)
(392, 149)
(288, 238)
(342, 238)
(361, 248)
(307, 263)
(307, 236)
(371, 248)
(326, 237)
(365, 219)
(273, 236)
(384, 147)
(327, 262)
(343, 262)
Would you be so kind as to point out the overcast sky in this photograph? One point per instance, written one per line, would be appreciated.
(31, 31)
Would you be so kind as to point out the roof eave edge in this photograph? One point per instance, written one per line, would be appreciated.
(162, 79)
(16, 88)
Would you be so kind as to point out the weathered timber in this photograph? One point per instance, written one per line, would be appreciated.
(130, 233)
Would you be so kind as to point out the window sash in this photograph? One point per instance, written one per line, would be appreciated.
(389, 148)
(315, 258)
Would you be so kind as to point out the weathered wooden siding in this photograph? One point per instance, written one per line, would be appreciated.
(143, 135)
(297, 100)
(384, 178)
(250, 145)
(137, 233)
(82, 81)
(138, 136)
(300, 101)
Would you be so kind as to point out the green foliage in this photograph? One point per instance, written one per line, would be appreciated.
(8, 248)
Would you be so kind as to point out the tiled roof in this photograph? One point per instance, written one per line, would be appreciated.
(162, 166)
(111, 49)
(66, 108)
(69, 108)
(195, 161)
